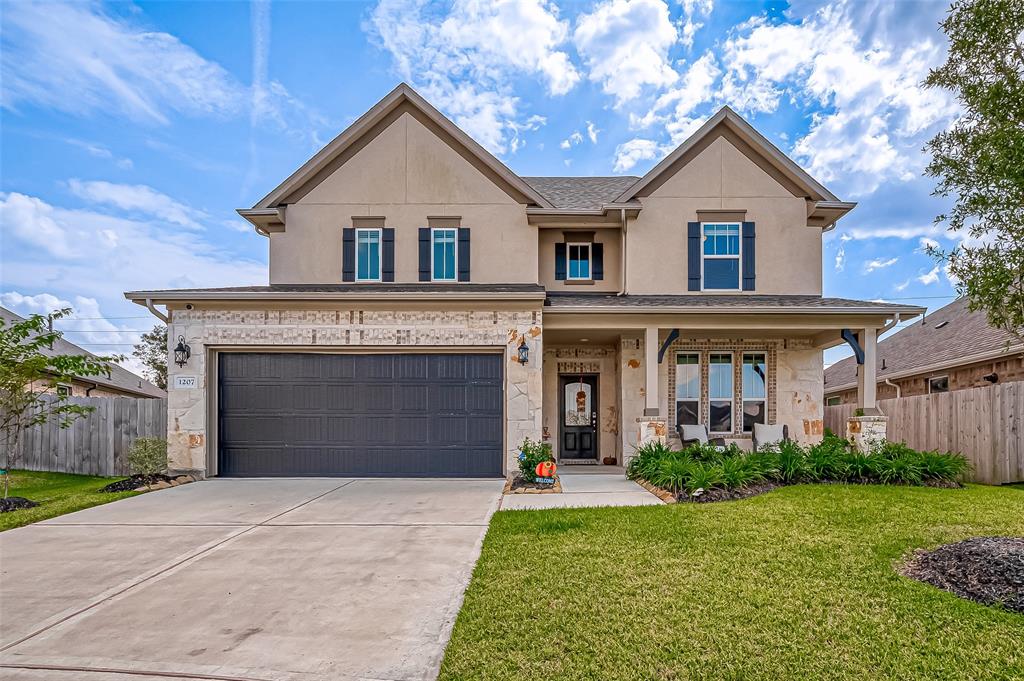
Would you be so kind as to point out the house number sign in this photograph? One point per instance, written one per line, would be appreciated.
(185, 381)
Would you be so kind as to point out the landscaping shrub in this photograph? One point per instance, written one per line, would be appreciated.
(530, 454)
(704, 467)
(147, 456)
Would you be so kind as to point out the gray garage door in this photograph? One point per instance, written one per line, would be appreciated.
(300, 414)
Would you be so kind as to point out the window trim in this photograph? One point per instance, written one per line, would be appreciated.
(590, 260)
(380, 255)
(738, 257)
(744, 399)
(700, 384)
(455, 254)
(64, 386)
(833, 401)
(732, 397)
(932, 378)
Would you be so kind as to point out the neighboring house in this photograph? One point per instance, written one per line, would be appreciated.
(120, 382)
(949, 349)
(428, 308)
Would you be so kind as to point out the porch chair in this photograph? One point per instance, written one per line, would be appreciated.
(769, 435)
(697, 434)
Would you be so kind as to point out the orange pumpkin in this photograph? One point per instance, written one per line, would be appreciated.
(546, 469)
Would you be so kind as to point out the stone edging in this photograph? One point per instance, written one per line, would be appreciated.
(662, 494)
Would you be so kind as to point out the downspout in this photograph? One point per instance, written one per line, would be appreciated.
(622, 219)
(889, 383)
(156, 313)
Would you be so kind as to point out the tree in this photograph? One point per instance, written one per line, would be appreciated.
(25, 369)
(980, 159)
(152, 352)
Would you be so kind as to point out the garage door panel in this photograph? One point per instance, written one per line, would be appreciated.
(294, 414)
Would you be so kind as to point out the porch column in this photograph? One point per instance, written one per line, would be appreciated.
(651, 372)
(867, 377)
(869, 429)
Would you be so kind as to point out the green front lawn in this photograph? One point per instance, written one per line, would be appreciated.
(796, 583)
(56, 494)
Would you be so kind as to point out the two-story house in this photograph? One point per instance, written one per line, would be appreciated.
(428, 308)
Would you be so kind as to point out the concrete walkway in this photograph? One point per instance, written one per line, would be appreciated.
(584, 486)
(283, 580)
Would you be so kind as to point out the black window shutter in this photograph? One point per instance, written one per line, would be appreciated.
(560, 262)
(463, 253)
(424, 254)
(597, 266)
(693, 255)
(387, 254)
(748, 256)
(348, 254)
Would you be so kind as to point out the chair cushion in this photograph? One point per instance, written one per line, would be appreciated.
(697, 432)
(768, 435)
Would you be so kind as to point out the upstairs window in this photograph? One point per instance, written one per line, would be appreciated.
(721, 256)
(368, 254)
(443, 254)
(579, 261)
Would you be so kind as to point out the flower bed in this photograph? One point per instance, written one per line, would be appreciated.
(987, 570)
(708, 473)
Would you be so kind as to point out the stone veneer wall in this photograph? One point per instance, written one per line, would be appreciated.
(349, 330)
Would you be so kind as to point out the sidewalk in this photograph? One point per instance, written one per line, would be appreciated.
(584, 486)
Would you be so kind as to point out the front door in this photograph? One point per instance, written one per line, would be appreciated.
(578, 423)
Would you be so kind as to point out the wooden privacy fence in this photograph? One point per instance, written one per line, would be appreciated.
(97, 443)
(984, 424)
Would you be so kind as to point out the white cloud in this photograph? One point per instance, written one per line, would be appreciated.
(463, 60)
(902, 287)
(75, 58)
(100, 151)
(628, 154)
(875, 115)
(878, 264)
(137, 197)
(592, 131)
(575, 138)
(689, 25)
(675, 107)
(931, 277)
(925, 243)
(625, 46)
(110, 254)
(841, 258)
(895, 232)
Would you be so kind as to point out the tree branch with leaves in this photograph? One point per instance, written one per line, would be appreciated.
(27, 368)
(151, 350)
(980, 159)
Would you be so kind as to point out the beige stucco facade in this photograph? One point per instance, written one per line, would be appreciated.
(405, 167)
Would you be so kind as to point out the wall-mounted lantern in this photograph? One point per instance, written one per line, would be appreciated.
(524, 351)
(182, 352)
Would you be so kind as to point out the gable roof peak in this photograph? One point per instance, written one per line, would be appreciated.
(402, 94)
(738, 125)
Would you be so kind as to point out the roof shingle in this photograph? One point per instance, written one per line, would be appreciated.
(946, 335)
(581, 193)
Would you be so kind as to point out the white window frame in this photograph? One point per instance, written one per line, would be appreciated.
(66, 387)
(932, 378)
(738, 257)
(455, 250)
(833, 401)
(732, 397)
(568, 260)
(700, 385)
(380, 254)
(744, 399)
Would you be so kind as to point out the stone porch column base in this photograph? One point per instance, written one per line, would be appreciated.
(866, 432)
(649, 429)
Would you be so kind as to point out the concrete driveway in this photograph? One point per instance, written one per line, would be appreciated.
(245, 579)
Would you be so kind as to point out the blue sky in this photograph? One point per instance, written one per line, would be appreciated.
(131, 132)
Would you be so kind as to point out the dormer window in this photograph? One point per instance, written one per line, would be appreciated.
(720, 256)
(368, 254)
(579, 262)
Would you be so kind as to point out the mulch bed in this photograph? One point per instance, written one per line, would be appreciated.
(729, 494)
(136, 481)
(518, 485)
(988, 570)
(15, 503)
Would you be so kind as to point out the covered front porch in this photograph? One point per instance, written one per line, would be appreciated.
(620, 370)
